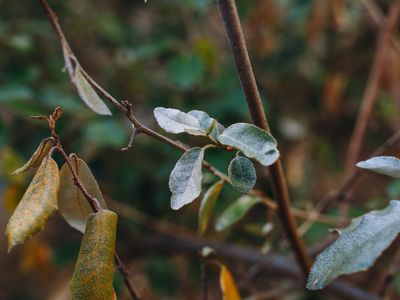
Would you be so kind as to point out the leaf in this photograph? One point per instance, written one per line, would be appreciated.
(357, 248)
(72, 203)
(89, 95)
(228, 285)
(386, 165)
(37, 157)
(185, 178)
(207, 205)
(236, 211)
(209, 126)
(176, 121)
(252, 141)
(242, 174)
(94, 269)
(37, 205)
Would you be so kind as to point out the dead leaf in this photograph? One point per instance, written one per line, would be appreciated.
(228, 285)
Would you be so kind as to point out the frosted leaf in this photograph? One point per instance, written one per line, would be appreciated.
(386, 165)
(242, 174)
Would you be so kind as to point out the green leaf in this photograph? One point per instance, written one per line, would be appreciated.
(185, 178)
(94, 269)
(242, 174)
(358, 247)
(252, 141)
(37, 157)
(236, 211)
(386, 165)
(207, 205)
(36, 206)
(72, 203)
(89, 95)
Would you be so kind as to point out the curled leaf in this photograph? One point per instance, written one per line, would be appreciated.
(252, 141)
(89, 95)
(236, 211)
(185, 178)
(72, 203)
(242, 174)
(357, 247)
(36, 206)
(207, 205)
(386, 165)
(37, 157)
(228, 285)
(94, 269)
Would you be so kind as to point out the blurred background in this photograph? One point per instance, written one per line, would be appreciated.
(311, 58)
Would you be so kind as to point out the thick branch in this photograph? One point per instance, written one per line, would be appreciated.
(237, 44)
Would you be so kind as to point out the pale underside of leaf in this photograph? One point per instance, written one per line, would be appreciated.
(36, 206)
(358, 247)
(72, 203)
(228, 285)
(242, 174)
(37, 157)
(236, 211)
(252, 141)
(207, 205)
(209, 126)
(386, 165)
(94, 269)
(185, 178)
(175, 121)
(89, 95)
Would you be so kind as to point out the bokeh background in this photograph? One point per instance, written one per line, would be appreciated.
(311, 59)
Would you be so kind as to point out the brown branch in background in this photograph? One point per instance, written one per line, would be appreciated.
(371, 91)
(228, 11)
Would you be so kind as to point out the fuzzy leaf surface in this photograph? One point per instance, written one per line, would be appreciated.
(242, 174)
(72, 203)
(236, 211)
(89, 95)
(386, 165)
(37, 157)
(252, 141)
(185, 178)
(207, 205)
(358, 247)
(94, 269)
(36, 206)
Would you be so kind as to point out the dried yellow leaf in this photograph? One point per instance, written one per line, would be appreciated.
(228, 286)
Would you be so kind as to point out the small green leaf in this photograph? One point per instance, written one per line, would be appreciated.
(37, 157)
(207, 205)
(72, 203)
(94, 269)
(358, 247)
(89, 95)
(236, 211)
(252, 141)
(36, 206)
(386, 165)
(185, 178)
(242, 174)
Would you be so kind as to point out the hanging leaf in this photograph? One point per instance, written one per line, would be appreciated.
(386, 165)
(252, 141)
(89, 95)
(228, 285)
(94, 269)
(37, 157)
(207, 205)
(37, 205)
(72, 203)
(236, 211)
(358, 247)
(242, 174)
(185, 178)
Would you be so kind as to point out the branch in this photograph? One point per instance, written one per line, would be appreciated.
(228, 11)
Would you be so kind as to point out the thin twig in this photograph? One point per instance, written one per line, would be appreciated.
(372, 88)
(228, 11)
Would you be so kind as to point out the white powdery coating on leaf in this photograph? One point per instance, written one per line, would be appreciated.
(175, 121)
(185, 178)
(358, 248)
(386, 165)
(252, 141)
